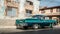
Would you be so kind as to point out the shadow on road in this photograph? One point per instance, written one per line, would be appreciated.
(51, 31)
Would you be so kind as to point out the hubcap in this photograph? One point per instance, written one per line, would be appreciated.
(35, 26)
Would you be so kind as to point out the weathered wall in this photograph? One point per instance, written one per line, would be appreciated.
(7, 23)
(2, 8)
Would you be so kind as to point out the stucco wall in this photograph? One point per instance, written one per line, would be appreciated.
(2, 8)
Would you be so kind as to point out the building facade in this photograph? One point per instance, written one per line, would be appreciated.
(20, 8)
(51, 12)
(17, 9)
(10, 10)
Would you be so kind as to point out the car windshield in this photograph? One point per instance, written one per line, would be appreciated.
(38, 16)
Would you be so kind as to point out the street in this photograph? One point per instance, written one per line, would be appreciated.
(30, 31)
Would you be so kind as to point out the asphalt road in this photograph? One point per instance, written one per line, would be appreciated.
(30, 31)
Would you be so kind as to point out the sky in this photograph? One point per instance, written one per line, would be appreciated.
(50, 3)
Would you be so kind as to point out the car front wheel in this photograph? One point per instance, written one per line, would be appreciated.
(35, 26)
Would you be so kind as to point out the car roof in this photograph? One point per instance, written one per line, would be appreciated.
(39, 15)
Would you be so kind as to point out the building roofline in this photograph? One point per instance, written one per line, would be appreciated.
(50, 7)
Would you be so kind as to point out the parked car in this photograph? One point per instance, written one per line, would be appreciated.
(36, 21)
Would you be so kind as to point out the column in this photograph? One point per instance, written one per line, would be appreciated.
(36, 7)
(21, 9)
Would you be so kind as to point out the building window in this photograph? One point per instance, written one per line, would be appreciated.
(58, 9)
(11, 12)
(8, 0)
(30, 3)
(17, 1)
(28, 12)
(51, 10)
(42, 11)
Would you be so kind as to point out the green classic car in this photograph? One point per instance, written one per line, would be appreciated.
(36, 21)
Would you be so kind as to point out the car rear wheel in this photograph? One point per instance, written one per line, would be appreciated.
(25, 27)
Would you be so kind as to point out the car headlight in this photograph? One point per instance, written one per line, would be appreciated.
(23, 24)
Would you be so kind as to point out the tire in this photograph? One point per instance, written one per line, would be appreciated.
(25, 27)
(35, 26)
(55, 23)
(42, 27)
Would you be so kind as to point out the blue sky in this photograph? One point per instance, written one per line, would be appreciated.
(50, 3)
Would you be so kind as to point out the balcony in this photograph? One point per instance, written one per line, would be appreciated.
(12, 4)
(57, 13)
